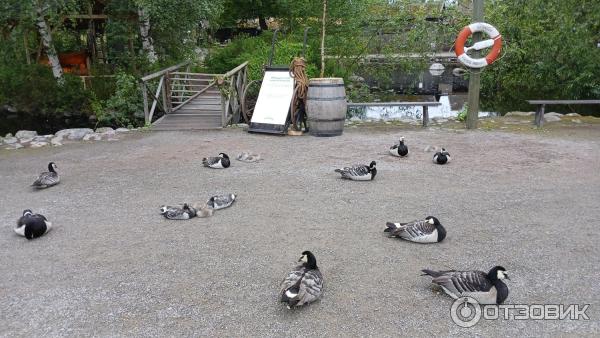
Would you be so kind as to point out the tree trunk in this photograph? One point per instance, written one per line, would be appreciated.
(263, 23)
(147, 44)
(323, 40)
(46, 39)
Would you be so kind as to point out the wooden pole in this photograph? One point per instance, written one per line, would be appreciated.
(323, 39)
(475, 78)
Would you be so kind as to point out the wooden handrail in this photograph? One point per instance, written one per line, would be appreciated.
(235, 70)
(166, 70)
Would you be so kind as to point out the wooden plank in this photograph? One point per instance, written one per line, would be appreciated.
(145, 98)
(564, 102)
(164, 71)
(235, 70)
(392, 104)
(193, 97)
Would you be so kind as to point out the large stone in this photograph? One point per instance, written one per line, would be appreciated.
(520, 113)
(122, 130)
(92, 137)
(14, 146)
(559, 115)
(552, 117)
(104, 130)
(74, 133)
(8, 135)
(573, 115)
(25, 140)
(56, 141)
(26, 134)
(37, 144)
(42, 138)
(10, 140)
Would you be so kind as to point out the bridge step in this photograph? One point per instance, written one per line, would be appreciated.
(189, 121)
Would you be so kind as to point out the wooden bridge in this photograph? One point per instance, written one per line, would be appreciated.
(191, 101)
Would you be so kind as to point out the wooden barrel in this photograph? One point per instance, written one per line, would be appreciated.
(326, 106)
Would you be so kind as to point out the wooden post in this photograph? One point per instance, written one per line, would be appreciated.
(323, 40)
(425, 116)
(145, 96)
(164, 96)
(539, 115)
(168, 93)
(475, 78)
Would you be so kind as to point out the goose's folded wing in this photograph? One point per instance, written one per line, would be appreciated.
(464, 281)
(311, 287)
(291, 279)
(211, 160)
(415, 229)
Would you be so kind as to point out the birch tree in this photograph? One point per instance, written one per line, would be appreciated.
(41, 9)
(147, 43)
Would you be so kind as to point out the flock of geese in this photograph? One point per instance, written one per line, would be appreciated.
(304, 284)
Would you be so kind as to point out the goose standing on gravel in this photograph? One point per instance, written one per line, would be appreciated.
(219, 162)
(441, 157)
(399, 149)
(485, 288)
(359, 172)
(429, 230)
(47, 179)
(184, 212)
(304, 284)
(32, 225)
(221, 201)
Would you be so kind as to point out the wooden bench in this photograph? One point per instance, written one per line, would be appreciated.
(425, 106)
(541, 106)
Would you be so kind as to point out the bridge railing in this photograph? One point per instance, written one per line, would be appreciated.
(173, 87)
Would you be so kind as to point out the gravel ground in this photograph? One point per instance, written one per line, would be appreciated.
(114, 267)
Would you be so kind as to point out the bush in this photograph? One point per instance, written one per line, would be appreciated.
(124, 108)
(33, 89)
(256, 51)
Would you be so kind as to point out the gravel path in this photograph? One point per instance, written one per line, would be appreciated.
(115, 267)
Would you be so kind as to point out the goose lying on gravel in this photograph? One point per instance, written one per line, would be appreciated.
(304, 284)
(399, 149)
(485, 288)
(32, 225)
(428, 230)
(359, 172)
(221, 201)
(47, 179)
(219, 162)
(176, 212)
(441, 157)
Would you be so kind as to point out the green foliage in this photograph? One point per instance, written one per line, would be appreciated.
(462, 115)
(256, 51)
(549, 52)
(124, 108)
(33, 89)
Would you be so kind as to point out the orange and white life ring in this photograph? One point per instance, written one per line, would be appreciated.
(495, 42)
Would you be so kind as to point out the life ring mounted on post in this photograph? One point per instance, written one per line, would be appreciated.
(495, 41)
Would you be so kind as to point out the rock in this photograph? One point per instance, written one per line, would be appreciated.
(42, 138)
(8, 135)
(14, 146)
(355, 119)
(10, 140)
(92, 137)
(122, 130)
(520, 113)
(576, 120)
(25, 140)
(74, 133)
(551, 117)
(553, 114)
(56, 141)
(37, 144)
(28, 134)
(103, 130)
(573, 115)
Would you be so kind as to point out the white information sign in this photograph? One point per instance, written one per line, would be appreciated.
(274, 98)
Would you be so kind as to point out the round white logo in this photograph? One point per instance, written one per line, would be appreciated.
(465, 312)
